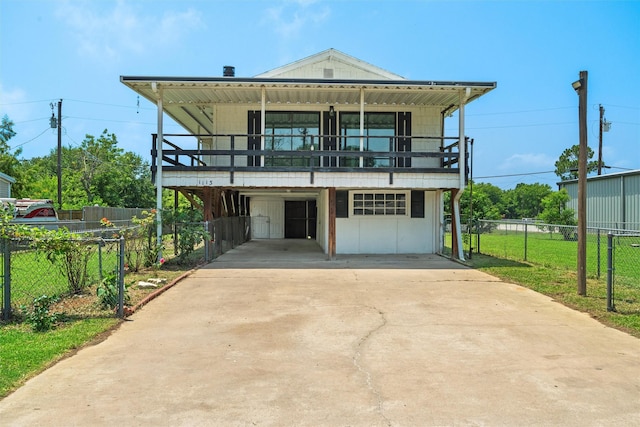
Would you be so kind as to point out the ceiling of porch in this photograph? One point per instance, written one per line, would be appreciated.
(186, 99)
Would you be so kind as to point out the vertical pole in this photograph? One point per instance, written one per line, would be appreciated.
(100, 244)
(207, 242)
(60, 154)
(610, 306)
(361, 125)
(598, 252)
(600, 141)
(6, 286)
(121, 280)
(159, 155)
(582, 188)
(526, 240)
(332, 223)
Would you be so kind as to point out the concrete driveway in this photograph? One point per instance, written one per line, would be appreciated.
(275, 335)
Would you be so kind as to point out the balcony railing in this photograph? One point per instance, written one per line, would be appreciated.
(316, 153)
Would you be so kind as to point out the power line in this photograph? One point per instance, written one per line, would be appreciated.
(32, 139)
(515, 174)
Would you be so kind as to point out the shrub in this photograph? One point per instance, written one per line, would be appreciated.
(39, 317)
(107, 291)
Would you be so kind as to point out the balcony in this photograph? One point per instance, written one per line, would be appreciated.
(313, 154)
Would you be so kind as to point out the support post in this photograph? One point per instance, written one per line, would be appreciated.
(121, 280)
(60, 154)
(610, 304)
(582, 187)
(332, 223)
(6, 285)
(159, 142)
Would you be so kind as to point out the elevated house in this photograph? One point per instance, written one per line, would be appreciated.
(329, 148)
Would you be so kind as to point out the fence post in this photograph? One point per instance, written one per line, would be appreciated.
(207, 242)
(6, 286)
(121, 280)
(610, 305)
(526, 240)
(100, 244)
(598, 252)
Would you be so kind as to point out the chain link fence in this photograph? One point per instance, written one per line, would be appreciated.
(67, 270)
(613, 254)
(71, 270)
(623, 268)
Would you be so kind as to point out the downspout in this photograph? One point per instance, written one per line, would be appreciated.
(159, 142)
(464, 97)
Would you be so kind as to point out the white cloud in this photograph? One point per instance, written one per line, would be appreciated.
(528, 160)
(289, 18)
(121, 28)
(14, 104)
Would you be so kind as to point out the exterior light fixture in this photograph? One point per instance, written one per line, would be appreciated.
(577, 85)
(332, 111)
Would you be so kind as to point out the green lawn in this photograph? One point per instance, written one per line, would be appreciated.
(24, 353)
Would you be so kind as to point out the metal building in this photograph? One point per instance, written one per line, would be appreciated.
(613, 201)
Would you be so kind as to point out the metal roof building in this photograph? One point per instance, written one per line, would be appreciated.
(613, 200)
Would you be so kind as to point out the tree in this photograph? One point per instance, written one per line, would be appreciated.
(525, 200)
(486, 203)
(9, 162)
(567, 163)
(97, 172)
(555, 211)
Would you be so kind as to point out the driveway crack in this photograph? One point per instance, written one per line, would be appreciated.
(358, 356)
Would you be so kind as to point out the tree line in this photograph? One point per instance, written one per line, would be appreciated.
(98, 172)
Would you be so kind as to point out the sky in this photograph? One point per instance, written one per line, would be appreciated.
(76, 51)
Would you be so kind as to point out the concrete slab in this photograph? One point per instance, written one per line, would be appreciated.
(361, 341)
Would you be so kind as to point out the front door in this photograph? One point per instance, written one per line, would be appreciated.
(300, 219)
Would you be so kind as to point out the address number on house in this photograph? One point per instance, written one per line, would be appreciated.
(205, 181)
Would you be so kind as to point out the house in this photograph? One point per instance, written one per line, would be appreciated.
(5, 185)
(329, 148)
(613, 200)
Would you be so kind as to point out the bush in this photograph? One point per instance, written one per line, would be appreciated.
(107, 291)
(39, 317)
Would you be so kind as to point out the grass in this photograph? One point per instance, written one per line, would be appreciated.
(24, 353)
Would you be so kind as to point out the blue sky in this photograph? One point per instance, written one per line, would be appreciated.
(534, 50)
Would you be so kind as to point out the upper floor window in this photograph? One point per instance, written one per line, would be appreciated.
(290, 131)
(379, 132)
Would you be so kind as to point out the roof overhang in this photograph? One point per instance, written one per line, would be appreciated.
(186, 99)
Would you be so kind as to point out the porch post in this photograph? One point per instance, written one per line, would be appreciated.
(263, 123)
(207, 204)
(332, 223)
(455, 223)
(456, 229)
(361, 125)
(159, 143)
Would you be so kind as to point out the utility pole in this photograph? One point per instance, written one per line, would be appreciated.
(604, 127)
(580, 87)
(60, 154)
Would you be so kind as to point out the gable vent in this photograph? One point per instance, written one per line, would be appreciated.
(328, 73)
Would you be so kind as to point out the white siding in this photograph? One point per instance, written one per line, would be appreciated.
(389, 235)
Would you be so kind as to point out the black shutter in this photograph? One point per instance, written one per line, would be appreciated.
(404, 144)
(342, 204)
(417, 204)
(253, 141)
